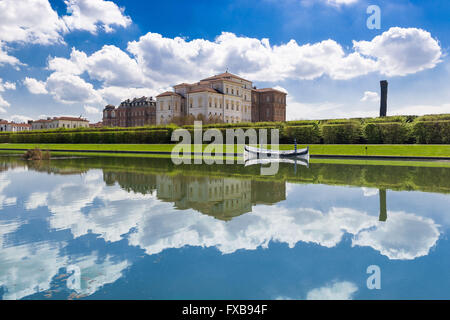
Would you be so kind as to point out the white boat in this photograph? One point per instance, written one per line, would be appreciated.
(261, 153)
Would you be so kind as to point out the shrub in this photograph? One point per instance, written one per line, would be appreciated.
(306, 134)
(432, 132)
(36, 154)
(389, 133)
(346, 133)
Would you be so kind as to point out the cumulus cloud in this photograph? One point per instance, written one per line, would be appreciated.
(91, 110)
(5, 58)
(31, 21)
(6, 85)
(89, 15)
(35, 21)
(402, 51)
(370, 96)
(19, 118)
(35, 86)
(392, 53)
(341, 2)
(68, 88)
(154, 62)
(336, 291)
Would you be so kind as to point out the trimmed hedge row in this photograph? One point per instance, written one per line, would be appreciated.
(432, 132)
(433, 129)
(131, 137)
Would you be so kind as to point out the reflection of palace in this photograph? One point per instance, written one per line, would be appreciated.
(223, 198)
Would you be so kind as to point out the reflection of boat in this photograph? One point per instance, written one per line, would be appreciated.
(254, 156)
(267, 153)
(303, 162)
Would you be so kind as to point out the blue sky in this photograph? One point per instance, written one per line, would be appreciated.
(73, 57)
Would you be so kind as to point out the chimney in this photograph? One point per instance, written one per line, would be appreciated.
(384, 93)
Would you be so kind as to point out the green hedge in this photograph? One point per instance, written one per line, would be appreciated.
(345, 133)
(305, 134)
(387, 133)
(432, 132)
(387, 130)
(131, 137)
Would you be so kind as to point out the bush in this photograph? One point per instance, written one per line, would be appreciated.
(432, 132)
(346, 133)
(99, 137)
(389, 133)
(306, 134)
(36, 154)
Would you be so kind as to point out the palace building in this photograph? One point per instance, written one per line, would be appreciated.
(59, 122)
(225, 98)
(131, 113)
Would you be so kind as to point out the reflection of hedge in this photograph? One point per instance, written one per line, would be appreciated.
(387, 130)
(345, 133)
(383, 177)
(432, 132)
(391, 133)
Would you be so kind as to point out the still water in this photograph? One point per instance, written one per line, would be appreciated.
(115, 228)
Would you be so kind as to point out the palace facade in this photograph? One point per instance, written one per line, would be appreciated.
(131, 113)
(59, 122)
(225, 98)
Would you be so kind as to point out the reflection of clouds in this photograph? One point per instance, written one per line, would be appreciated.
(95, 274)
(30, 268)
(164, 230)
(36, 200)
(4, 200)
(404, 236)
(26, 269)
(335, 291)
(369, 192)
(159, 227)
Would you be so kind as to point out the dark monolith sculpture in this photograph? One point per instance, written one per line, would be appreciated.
(384, 93)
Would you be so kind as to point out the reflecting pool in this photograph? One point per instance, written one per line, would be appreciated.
(120, 228)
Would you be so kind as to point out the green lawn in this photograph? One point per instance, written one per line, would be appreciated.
(351, 150)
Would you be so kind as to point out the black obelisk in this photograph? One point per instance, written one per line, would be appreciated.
(384, 93)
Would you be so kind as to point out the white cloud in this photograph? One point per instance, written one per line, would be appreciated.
(370, 96)
(35, 86)
(114, 95)
(91, 110)
(421, 109)
(402, 51)
(6, 85)
(341, 2)
(68, 88)
(5, 58)
(31, 21)
(281, 89)
(89, 15)
(157, 62)
(19, 118)
(172, 60)
(336, 291)
(35, 21)
(114, 67)
(3, 104)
